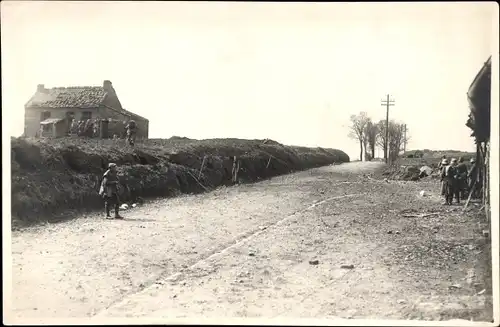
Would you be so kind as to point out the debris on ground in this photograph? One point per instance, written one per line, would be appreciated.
(314, 262)
(124, 206)
(401, 301)
(423, 193)
(456, 286)
(486, 233)
(482, 292)
(347, 266)
(422, 215)
(425, 171)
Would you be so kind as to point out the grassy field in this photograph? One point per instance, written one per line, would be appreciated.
(50, 177)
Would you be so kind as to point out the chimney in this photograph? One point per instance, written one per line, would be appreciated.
(107, 86)
(41, 88)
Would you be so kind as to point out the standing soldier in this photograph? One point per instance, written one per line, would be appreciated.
(109, 191)
(74, 127)
(472, 178)
(455, 183)
(131, 132)
(448, 177)
(440, 164)
(236, 168)
(462, 177)
(80, 128)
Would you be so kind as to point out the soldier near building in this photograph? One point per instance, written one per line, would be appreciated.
(454, 183)
(131, 129)
(462, 178)
(81, 128)
(449, 179)
(74, 127)
(472, 179)
(109, 191)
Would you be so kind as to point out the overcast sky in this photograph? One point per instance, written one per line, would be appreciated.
(293, 72)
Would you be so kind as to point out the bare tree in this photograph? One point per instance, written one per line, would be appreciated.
(380, 139)
(357, 130)
(397, 139)
(370, 137)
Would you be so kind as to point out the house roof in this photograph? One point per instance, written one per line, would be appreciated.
(134, 115)
(68, 97)
(81, 97)
(51, 121)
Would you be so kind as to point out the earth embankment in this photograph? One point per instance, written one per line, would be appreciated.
(53, 176)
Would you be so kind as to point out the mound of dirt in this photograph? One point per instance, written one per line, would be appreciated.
(405, 173)
(51, 176)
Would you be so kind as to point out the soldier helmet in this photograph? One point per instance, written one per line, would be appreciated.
(444, 162)
(111, 165)
(460, 159)
(472, 160)
(453, 160)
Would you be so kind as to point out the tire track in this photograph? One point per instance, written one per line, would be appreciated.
(236, 243)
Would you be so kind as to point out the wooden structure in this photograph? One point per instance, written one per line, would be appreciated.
(479, 97)
(53, 127)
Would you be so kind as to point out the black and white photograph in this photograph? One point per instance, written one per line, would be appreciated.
(250, 163)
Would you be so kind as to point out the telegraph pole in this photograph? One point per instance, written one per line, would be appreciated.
(388, 102)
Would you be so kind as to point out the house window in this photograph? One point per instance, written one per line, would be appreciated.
(44, 115)
(86, 115)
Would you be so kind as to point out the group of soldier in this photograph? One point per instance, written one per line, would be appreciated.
(85, 127)
(458, 181)
(91, 128)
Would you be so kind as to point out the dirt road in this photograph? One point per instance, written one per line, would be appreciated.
(250, 251)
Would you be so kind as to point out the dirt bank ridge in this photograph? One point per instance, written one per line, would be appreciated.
(52, 176)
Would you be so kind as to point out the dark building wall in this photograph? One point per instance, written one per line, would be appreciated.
(33, 117)
(143, 128)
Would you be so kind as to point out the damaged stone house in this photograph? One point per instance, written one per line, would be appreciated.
(51, 110)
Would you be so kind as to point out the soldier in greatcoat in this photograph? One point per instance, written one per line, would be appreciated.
(449, 176)
(131, 128)
(472, 179)
(462, 178)
(109, 191)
